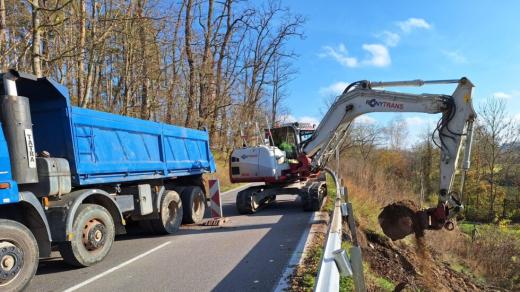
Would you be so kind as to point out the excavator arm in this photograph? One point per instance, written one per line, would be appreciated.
(455, 125)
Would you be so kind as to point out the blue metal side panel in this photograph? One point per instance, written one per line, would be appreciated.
(114, 148)
(108, 148)
(9, 195)
(186, 150)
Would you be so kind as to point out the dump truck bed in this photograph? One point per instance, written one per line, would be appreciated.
(105, 148)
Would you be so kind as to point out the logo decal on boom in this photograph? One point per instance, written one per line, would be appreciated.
(393, 105)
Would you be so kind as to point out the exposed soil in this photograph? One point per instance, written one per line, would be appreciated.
(414, 268)
(411, 267)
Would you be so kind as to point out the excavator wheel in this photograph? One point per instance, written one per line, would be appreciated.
(312, 197)
(245, 202)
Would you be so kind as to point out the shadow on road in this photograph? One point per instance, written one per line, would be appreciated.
(261, 268)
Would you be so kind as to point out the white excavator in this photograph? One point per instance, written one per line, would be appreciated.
(291, 159)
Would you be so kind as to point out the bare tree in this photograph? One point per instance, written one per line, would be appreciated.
(282, 73)
(396, 132)
(214, 63)
(498, 135)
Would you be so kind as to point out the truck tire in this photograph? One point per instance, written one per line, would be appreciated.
(18, 256)
(170, 215)
(193, 205)
(245, 202)
(94, 234)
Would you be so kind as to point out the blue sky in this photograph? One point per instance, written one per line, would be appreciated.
(346, 41)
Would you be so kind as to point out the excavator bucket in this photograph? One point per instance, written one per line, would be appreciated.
(401, 219)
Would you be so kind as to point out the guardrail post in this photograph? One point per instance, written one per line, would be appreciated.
(335, 260)
(356, 259)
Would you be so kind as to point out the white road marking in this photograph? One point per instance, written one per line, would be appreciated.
(74, 288)
(296, 258)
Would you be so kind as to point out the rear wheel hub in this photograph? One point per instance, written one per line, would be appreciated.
(11, 261)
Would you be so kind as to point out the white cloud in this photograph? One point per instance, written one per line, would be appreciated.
(302, 119)
(380, 57)
(365, 120)
(334, 89)
(340, 54)
(390, 39)
(413, 23)
(502, 95)
(309, 119)
(455, 56)
(507, 95)
(415, 121)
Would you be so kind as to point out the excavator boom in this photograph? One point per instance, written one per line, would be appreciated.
(267, 162)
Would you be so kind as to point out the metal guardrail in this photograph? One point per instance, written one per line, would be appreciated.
(335, 261)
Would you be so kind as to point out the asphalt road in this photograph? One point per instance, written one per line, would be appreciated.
(248, 253)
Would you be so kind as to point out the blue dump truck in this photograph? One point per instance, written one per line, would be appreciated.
(73, 178)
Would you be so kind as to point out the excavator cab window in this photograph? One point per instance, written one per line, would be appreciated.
(285, 139)
(305, 135)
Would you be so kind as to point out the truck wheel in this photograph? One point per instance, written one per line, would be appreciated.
(18, 256)
(170, 214)
(94, 233)
(193, 205)
(245, 202)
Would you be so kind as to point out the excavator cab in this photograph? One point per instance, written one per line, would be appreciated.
(289, 138)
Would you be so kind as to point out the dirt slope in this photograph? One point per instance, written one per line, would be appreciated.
(414, 267)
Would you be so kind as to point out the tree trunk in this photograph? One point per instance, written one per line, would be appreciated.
(145, 87)
(81, 52)
(3, 39)
(190, 117)
(36, 39)
(175, 68)
(205, 73)
(219, 86)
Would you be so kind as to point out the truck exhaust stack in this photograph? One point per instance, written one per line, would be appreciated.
(17, 126)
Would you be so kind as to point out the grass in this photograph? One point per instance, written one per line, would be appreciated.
(331, 195)
(222, 174)
(376, 281)
(495, 245)
(346, 283)
(503, 226)
(384, 284)
(309, 277)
